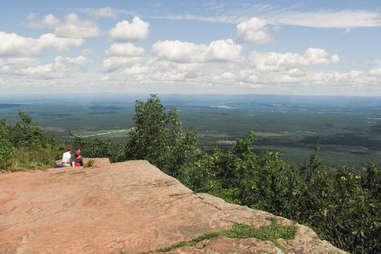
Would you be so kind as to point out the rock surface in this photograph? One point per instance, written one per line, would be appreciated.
(129, 207)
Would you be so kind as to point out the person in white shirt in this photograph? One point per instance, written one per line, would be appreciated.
(66, 157)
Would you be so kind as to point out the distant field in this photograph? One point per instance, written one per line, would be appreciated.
(347, 130)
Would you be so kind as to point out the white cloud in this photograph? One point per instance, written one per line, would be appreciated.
(178, 51)
(62, 67)
(125, 49)
(3, 67)
(215, 19)
(285, 61)
(115, 62)
(223, 50)
(253, 30)
(126, 31)
(329, 19)
(49, 21)
(21, 62)
(225, 77)
(376, 71)
(12, 64)
(275, 16)
(106, 12)
(15, 45)
(73, 27)
(136, 69)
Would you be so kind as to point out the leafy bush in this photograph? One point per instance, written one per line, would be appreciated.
(89, 164)
(99, 148)
(25, 146)
(7, 151)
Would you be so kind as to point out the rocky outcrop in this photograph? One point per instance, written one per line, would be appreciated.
(129, 207)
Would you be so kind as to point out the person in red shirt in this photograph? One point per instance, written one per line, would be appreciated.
(76, 159)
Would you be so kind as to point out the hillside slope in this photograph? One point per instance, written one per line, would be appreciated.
(131, 207)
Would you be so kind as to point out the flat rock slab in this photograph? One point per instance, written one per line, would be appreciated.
(130, 206)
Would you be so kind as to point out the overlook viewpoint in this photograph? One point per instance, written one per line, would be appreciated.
(129, 207)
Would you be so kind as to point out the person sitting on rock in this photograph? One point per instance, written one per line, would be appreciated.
(66, 157)
(76, 159)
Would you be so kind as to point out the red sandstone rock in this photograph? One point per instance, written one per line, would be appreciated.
(130, 206)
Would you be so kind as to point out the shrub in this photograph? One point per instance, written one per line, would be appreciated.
(7, 151)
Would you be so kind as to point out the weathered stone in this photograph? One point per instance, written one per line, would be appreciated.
(130, 206)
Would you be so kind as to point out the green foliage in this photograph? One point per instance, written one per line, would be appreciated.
(89, 164)
(99, 148)
(159, 137)
(7, 150)
(25, 146)
(175, 246)
(342, 205)
(266, 233)
(25, 133)
(36, 157)
(272, 233)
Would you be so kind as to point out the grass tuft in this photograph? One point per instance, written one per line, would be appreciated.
(175, 246)
(89, 164)
(271, 233)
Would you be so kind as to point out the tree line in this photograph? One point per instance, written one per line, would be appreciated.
(341, 204)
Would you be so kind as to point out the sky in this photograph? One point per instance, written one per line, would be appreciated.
(196, 47)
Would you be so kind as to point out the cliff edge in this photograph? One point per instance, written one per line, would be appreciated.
(128, 207)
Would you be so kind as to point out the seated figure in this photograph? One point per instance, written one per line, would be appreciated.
(66, 157)
(76, 159)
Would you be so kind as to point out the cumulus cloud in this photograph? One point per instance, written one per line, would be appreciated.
(3, 67)
(225, 77)
(21, 61)
(178, 51)
(125, 49)
(285, 61)
(12, 64)
(223, 50)
(136, 69)
(115, 62)
(125, 31)
(15, 45)
(253, 30)
(61, 67)
(106, 12)
(71, 27)
(49, 21)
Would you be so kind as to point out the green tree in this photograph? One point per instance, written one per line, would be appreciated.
(7, 150)
(34, 147)
(159, 137)
(99, 148)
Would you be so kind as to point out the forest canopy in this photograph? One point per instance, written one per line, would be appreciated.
(341, 204)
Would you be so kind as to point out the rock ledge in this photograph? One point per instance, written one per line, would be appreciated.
(130, 206)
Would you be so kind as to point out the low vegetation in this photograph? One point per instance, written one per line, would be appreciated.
(271, 233)
(25, 146)
(341, 204)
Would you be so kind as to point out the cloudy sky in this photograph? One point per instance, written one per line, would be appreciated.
(200, 46)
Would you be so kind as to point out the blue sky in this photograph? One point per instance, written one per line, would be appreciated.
(230, 47)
